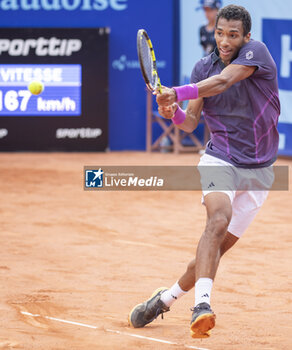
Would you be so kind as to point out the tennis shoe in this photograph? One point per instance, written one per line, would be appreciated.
(148, 311)
(203, 320)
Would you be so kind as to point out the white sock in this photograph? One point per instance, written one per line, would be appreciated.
(203, 289)
(172, 294)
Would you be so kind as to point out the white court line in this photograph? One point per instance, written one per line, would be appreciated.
(112, 331)
(59, 320)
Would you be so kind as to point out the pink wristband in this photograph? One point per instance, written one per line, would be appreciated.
(179, 116)
(186, 92)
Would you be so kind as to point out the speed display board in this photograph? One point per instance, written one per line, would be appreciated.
(71, 114)
(62, 94)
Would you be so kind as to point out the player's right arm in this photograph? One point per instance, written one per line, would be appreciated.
(193, 114)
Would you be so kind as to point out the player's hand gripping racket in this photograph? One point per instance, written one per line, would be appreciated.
(147, 61)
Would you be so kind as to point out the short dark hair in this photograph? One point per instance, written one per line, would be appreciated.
(234, 12)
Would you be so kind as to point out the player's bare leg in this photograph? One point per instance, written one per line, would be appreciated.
(219, 212)
(188, 279)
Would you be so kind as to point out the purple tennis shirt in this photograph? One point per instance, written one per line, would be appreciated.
(243, 119)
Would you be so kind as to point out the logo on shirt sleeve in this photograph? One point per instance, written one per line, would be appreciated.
(249, 55)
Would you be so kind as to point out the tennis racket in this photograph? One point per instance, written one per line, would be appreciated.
(147, 61)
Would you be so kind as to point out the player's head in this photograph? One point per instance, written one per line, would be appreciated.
(232, 31)
(237, 13)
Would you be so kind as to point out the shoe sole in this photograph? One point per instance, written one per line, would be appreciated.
(200, 335)
(201, 327)
(152, 295)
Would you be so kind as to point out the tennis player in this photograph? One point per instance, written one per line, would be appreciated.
(236, 88)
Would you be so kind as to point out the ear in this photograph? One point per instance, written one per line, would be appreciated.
(247, 38)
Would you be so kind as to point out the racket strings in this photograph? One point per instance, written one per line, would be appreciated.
(147, 59)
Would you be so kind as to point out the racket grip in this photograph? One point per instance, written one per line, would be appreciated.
(186, 92)
(179, 116)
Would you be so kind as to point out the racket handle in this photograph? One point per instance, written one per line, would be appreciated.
(159, 85)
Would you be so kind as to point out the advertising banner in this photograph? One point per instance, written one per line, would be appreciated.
(71, 114)
(277, 35)
(127, 95)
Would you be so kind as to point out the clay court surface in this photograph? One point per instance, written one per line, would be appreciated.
(90, 256)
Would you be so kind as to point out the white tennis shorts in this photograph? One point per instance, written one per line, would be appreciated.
(245, 203)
